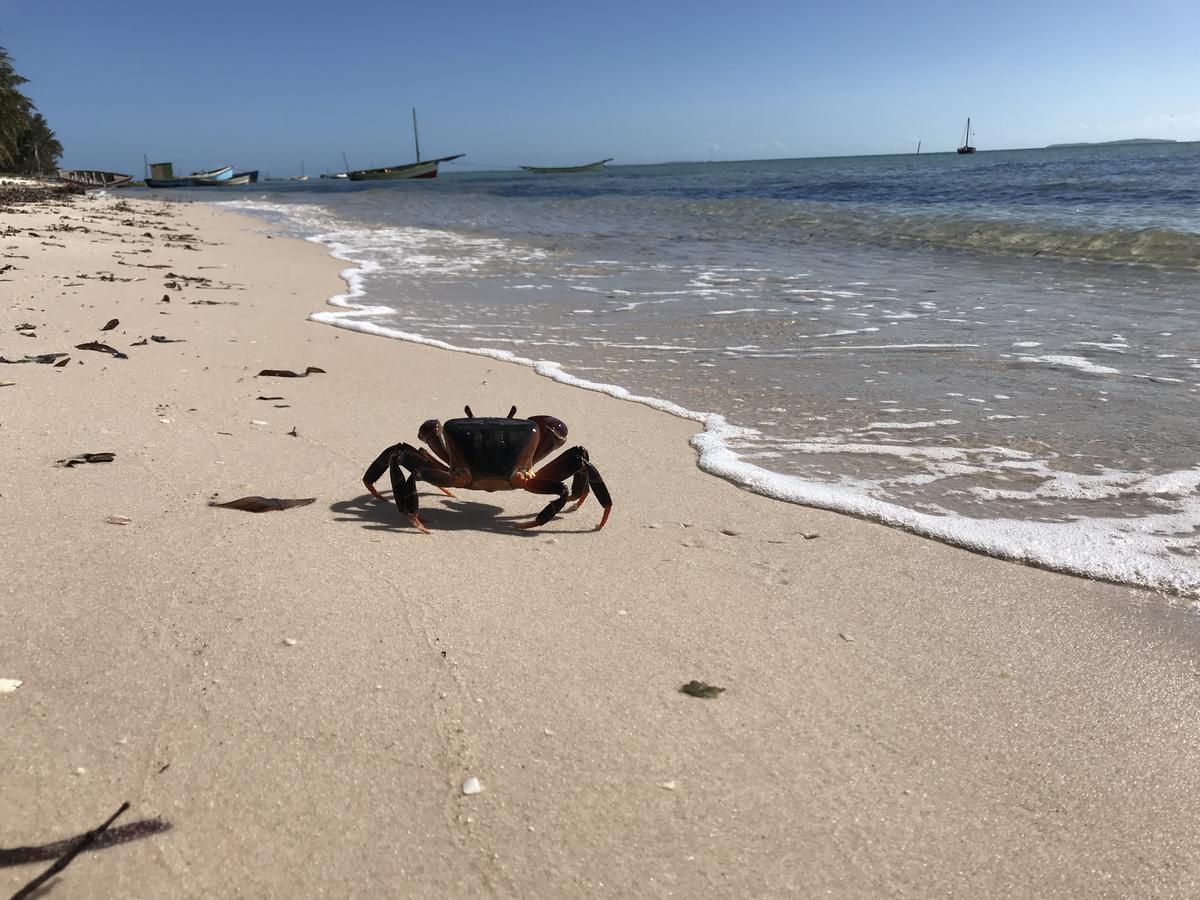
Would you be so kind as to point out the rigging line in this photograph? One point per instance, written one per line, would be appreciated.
(491, 166)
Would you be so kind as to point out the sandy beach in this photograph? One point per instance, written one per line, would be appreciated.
(292, 701)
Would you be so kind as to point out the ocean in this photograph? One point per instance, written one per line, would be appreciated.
(1000, 351)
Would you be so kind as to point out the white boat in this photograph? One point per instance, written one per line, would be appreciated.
(597, 166)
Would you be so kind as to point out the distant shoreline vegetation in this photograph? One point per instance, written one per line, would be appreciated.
(1114, 143)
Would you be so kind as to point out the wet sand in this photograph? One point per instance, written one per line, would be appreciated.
(301, 695)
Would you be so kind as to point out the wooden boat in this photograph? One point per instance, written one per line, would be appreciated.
(235, 178)
(420, 169)
(966, 144)
(162, 175)
(597, 166)
(93, 178)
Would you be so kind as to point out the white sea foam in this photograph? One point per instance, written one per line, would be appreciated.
(906, 426)
(1072, 362)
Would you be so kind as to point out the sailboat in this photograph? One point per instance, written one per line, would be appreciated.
(420, 169)
(966, 144)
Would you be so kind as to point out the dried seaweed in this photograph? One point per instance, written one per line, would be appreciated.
(82, 458)
(112, 323)
(44, 359)
(263, 504)
(702, 690)
(260, 397)
(62, 362)
(287, 373)
(159, 339)
(101, 348)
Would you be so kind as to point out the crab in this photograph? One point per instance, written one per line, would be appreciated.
(490, 454)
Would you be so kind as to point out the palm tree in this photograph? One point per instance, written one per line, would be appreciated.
(38, 150)
(27, 144)
(14, 109)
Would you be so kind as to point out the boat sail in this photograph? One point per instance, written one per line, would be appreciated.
(966, 144)
(420, 169)
(597, 166)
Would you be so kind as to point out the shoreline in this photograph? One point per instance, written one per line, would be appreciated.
(1054, 546)
(901, 718)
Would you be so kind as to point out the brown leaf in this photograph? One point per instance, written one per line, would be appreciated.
(112, 323)
(101, 348)
(702, 690)
(263, 504)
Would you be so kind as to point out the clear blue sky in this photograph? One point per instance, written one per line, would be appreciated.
(268, 84)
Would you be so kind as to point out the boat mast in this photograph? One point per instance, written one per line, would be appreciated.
(416, 137)
(967, 134)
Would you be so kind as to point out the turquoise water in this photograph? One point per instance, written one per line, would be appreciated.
(997, 350)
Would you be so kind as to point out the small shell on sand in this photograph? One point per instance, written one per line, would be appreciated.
(472, 786)
(8, 685)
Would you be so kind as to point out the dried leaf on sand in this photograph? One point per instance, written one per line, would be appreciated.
(101, 348)
(702, 690)
(264, 504)
(287, 373)
(85, 458)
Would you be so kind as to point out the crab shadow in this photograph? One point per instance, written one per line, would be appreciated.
(441, 513)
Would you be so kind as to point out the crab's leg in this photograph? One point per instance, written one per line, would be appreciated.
(404, 491)
(538, 485)
(376, 469)
(437, 464)
(572, 464)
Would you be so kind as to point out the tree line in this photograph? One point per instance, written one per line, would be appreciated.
(27, 145)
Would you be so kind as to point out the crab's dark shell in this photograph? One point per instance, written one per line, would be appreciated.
(491, 447)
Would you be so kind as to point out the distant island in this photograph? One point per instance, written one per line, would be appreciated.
(1114, 143)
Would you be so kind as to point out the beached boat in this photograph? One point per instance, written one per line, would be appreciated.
(420, 169)
(93, 178)
(597, 166)
(966, 144)
(162, 175)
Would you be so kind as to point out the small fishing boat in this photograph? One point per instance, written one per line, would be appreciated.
(93, 178)
(162, 175)
(234, 178)
(966, 144)
(597, 166)
(420, 169)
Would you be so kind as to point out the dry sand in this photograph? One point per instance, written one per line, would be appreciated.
(302, 694)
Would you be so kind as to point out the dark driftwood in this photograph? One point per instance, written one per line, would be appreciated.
(20, 856)
(77, 846)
